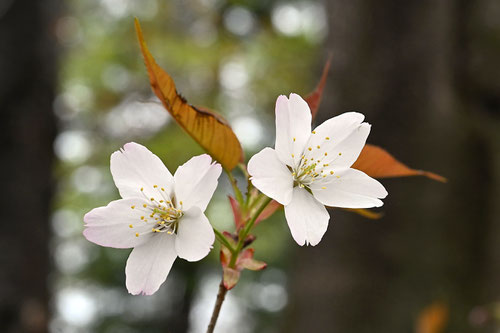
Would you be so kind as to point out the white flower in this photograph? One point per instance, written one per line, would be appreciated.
(160, 215)
(308, 170)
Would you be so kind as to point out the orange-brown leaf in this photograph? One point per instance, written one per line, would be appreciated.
(365, 213)
(378, 163)
(207, 128)
(432, 319)
(314, 98)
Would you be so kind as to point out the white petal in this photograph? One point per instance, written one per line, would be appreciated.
(271, 176)
(110, 226)
(149, 264)
(353, 189)
(135, 167)
(344, 134)
(306, 218)
(196, 181)
(195, 235)
(293, 121)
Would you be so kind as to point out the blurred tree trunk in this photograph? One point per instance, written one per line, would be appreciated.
(425, 74)
(27, 83)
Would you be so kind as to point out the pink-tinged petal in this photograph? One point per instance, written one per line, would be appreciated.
(306, 217)
(196, 181)
(349, 188)
(149, 264)
(195, 235)
(135, 167)
(329, 138)
(293, 128)
(271, 176)
(117, 224)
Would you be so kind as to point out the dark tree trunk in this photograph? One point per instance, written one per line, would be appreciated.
(409, 67)
(27, 128)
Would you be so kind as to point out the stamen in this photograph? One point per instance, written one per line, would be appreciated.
(323, 188)
(318, 147)
(327, 138)
(136, 234)
(309, 148)
(340, 154)
(132, 207)
(313, 132)
(293, 139)
(130, 226)
(142, 188)
(155, 186)
(144, 205)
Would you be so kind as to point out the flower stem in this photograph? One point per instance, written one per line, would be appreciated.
(237, 192)
(221, 295)
(222, 239)
(235, 252)
(246, 230)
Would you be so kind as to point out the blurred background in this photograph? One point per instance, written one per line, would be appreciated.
(73, 89)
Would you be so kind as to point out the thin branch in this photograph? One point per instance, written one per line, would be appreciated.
(221, 295)
(222, 239)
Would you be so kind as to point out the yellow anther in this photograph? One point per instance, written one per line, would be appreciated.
(314, 132)
(136, 234)
(152, 199)
(142, 188)
(169, 232)
(323, 188)
(293, 155)
(153, 230)
(331, 172)
(144, 205)
(130, 226)
(142, 217)
(338, 176)
(325, 165)
(324, 176)
(293, 139)
(340, 154)
(162, 189)
(132, 207)
(327, 138)
(326, 154)
(161, 201)
(309, 148)
(155, 186)
(180, 202)
(318, 147)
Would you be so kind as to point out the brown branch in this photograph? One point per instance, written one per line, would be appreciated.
(218, 304)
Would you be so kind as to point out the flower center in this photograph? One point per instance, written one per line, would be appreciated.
(160, 212)
(314, 163)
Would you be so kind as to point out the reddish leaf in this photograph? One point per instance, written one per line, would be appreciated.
(246, 260)
(365, 213)
(432, 319)
(272, 207)
(314, 98)
(209, 129)
(235, 207)
(230, 277)
(378, 163)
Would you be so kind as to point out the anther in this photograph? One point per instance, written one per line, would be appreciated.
(331, 172)
(318, 147)
(162, 189)
(142, 217)
(144, 205)
(326, 154)
(293, 155)
(340, 154)
(309, 148)
(152, 199)
(132, 207)
(180, 202)
(142, 188)
(327, 138)
(155, 186)
(136, 234)
(130, 226)
(293, 139)
(313, 132)
(323, 188)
